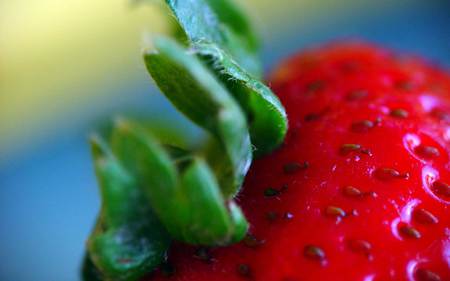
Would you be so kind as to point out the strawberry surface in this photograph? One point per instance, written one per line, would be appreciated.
(360, 188)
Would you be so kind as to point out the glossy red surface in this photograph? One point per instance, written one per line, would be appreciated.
(363, 176)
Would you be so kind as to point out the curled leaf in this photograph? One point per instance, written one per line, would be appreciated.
(189, 85)
(128, 240)
(219, 33)
(212, 21)
(266, 115)
(186, 197)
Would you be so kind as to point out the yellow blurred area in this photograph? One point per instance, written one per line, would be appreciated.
(55, 54)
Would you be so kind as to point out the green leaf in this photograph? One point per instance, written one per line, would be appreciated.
(88, 270)
(153, 168)
(189, 85)
(187, 199)
(128, 240)
(230, 14)
(266, 115)
(220, 33)
(211, 21)
(153, 192)
(210, 220)
(239, 221)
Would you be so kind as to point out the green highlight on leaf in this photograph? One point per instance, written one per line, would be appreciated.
(230, 14)
(212, 21)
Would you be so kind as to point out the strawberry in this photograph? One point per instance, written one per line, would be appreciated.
(354, 185)
(359, 190)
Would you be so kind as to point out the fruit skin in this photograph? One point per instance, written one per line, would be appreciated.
(358, 191)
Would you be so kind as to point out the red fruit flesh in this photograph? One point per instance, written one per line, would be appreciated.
(363, 177)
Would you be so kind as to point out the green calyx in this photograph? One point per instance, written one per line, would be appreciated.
(128, 239)
(153, 192)
(209, 105)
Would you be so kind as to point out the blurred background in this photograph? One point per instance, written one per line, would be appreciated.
(66, 66)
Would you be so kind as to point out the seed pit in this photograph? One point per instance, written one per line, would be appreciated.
(362, 126)
(423, 216)
(409, 232)
(361, 247)
(387, 174)
(293, 167)
(440, 114)
(441, 189)
(352, 191)
(426, 152)
(315, 86)
(335, 212)
(203, 254)
(350, 67)
(271, 192)
(252, 242)
(422, 274)
(244, 270)
(350, 147)
(399, 113)
(357, 95)
(404, 85)
(271, 216)
(313, 252)
(314, 116)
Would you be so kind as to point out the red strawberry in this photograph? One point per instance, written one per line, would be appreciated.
(359, 190)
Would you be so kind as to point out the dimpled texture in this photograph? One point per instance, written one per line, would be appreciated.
(360, 188)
